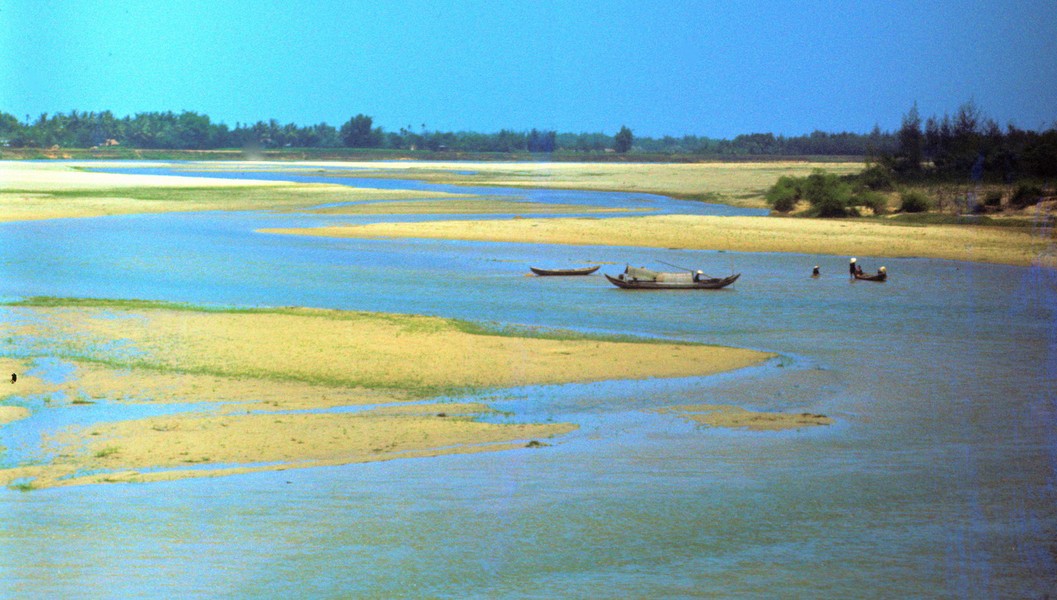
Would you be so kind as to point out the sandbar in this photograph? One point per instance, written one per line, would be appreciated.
(734, 183)
(269, 389)
(735, 417)
(476, 206)
(12, 413)
(41, 190)
(358, 349)
(38, 191)
(1005, 245)
(193, 445)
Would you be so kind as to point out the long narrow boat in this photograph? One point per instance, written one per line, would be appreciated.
(882, 276)
(684, 281)
(564, 272)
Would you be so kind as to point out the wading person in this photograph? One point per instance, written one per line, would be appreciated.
(815, 272)
(851, 268)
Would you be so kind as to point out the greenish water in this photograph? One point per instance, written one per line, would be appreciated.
(939, 478)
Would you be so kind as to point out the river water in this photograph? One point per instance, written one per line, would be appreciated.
(939, 478)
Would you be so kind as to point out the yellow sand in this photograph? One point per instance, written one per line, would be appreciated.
(721, 415)
(35, 191)
(456, 207)
(371, 350)
(242, 374)
(737, 183)
(94, 383)
(12, 413)
(26, 385)
(50, 176)
(1014, 246)
(181, 446)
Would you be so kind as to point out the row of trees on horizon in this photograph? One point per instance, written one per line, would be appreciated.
(193, 131)
(970, 143)
(965, 143)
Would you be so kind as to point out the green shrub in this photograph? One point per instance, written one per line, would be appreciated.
(913, 202)
(877, 177)
(784, 194)
(1026, 195)
(875, 201)
(828, 195)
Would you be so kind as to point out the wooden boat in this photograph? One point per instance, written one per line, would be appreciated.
(882, 276)
(643, 279)
(564, 272)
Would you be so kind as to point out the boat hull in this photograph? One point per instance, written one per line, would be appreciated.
(564, 272)
(707, 284)
(871, 277)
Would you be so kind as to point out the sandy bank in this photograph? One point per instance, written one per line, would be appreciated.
(36, 191)
(12, 413)
(460, 207)
(367, 350)
(1014, 246)
(739, 184)
(53, 176)
(244, 378)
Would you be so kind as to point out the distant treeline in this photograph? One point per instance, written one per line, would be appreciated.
(960, 144)
(970, 145)
(192, 131)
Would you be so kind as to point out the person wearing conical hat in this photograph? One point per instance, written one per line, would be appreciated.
(815, 272)
(883, 273)
(851, 267)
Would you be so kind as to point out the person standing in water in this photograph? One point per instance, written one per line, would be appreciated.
(851, 268)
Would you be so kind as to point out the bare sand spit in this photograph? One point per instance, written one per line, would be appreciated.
(368, 350)
(722, 415)
(196, 445)
(475, 206)
(735, 183)
(48, 176)
(254, 373)
(36, 191)
(1013, 246)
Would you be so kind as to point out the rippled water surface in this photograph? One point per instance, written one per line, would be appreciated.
(939, 478)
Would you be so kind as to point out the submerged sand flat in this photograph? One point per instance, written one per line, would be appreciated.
(1014, 246)
(279, 388)
(734, 417)
(197, 445)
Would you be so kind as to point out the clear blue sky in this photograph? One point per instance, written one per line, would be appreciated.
(660, 67)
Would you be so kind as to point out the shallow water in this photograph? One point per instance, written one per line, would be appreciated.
(939, 478)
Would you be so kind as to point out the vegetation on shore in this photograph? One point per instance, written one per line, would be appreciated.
(958, 166)
(107, 133)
